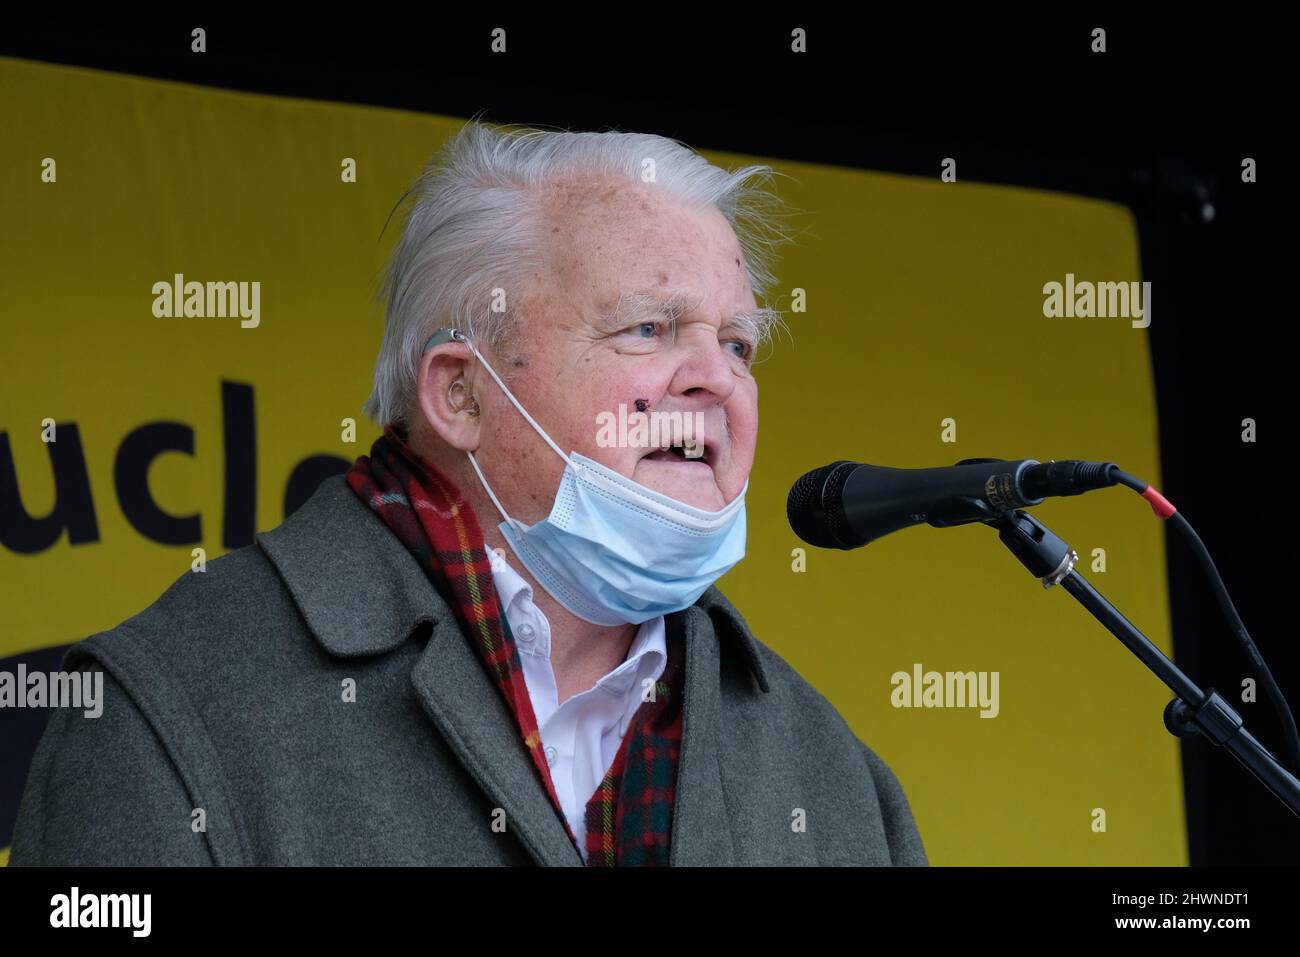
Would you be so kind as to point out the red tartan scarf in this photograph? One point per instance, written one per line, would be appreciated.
(629, 817)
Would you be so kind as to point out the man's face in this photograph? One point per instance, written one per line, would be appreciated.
(572, 361)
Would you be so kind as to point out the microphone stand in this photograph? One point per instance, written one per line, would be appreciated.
(1193, 710)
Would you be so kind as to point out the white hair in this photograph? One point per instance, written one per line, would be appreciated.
(475, 222)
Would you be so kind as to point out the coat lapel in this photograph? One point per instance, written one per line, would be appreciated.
(458, 695)
(701, 834)
(362, 593)
(702, 824)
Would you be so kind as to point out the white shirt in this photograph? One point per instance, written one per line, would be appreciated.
(580, 737)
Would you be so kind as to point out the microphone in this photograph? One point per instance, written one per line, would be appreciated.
(848, 504)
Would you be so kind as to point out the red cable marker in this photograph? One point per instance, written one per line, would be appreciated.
(1159, 504)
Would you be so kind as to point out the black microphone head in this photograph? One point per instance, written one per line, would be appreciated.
(815, 507)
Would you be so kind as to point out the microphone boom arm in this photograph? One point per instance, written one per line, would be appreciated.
(1193, 710)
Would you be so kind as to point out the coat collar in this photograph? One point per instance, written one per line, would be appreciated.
(321, 550)
(362, 593)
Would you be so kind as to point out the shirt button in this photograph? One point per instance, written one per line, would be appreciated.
(526, 632)
(550, 757)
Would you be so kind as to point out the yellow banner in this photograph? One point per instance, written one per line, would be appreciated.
(185, 307)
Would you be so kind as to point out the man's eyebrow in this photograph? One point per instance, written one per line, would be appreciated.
(640, 302)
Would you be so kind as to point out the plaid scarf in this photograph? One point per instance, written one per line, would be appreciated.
(629, 817)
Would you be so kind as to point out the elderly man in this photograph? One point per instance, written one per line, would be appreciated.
(394, 676)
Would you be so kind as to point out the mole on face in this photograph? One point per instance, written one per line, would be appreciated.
(642, 404)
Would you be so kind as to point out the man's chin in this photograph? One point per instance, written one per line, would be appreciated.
(690, 482)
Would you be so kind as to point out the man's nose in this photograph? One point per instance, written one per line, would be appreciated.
(705, 372)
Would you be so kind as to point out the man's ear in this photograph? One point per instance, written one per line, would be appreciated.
(444, 394)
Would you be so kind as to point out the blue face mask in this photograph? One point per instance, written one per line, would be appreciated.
(613, 551)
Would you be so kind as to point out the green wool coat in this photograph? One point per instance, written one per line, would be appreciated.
(227, 738)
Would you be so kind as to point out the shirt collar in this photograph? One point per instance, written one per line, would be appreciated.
(510, 585)
(647, 654)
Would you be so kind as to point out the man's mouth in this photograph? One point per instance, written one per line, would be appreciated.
(697, 455)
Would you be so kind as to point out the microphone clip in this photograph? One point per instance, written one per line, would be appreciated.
(1048, 557)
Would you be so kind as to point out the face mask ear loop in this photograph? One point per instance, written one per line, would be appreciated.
(488, 489)
(461, 337)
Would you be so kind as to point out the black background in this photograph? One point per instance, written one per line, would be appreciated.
(1160, 122)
